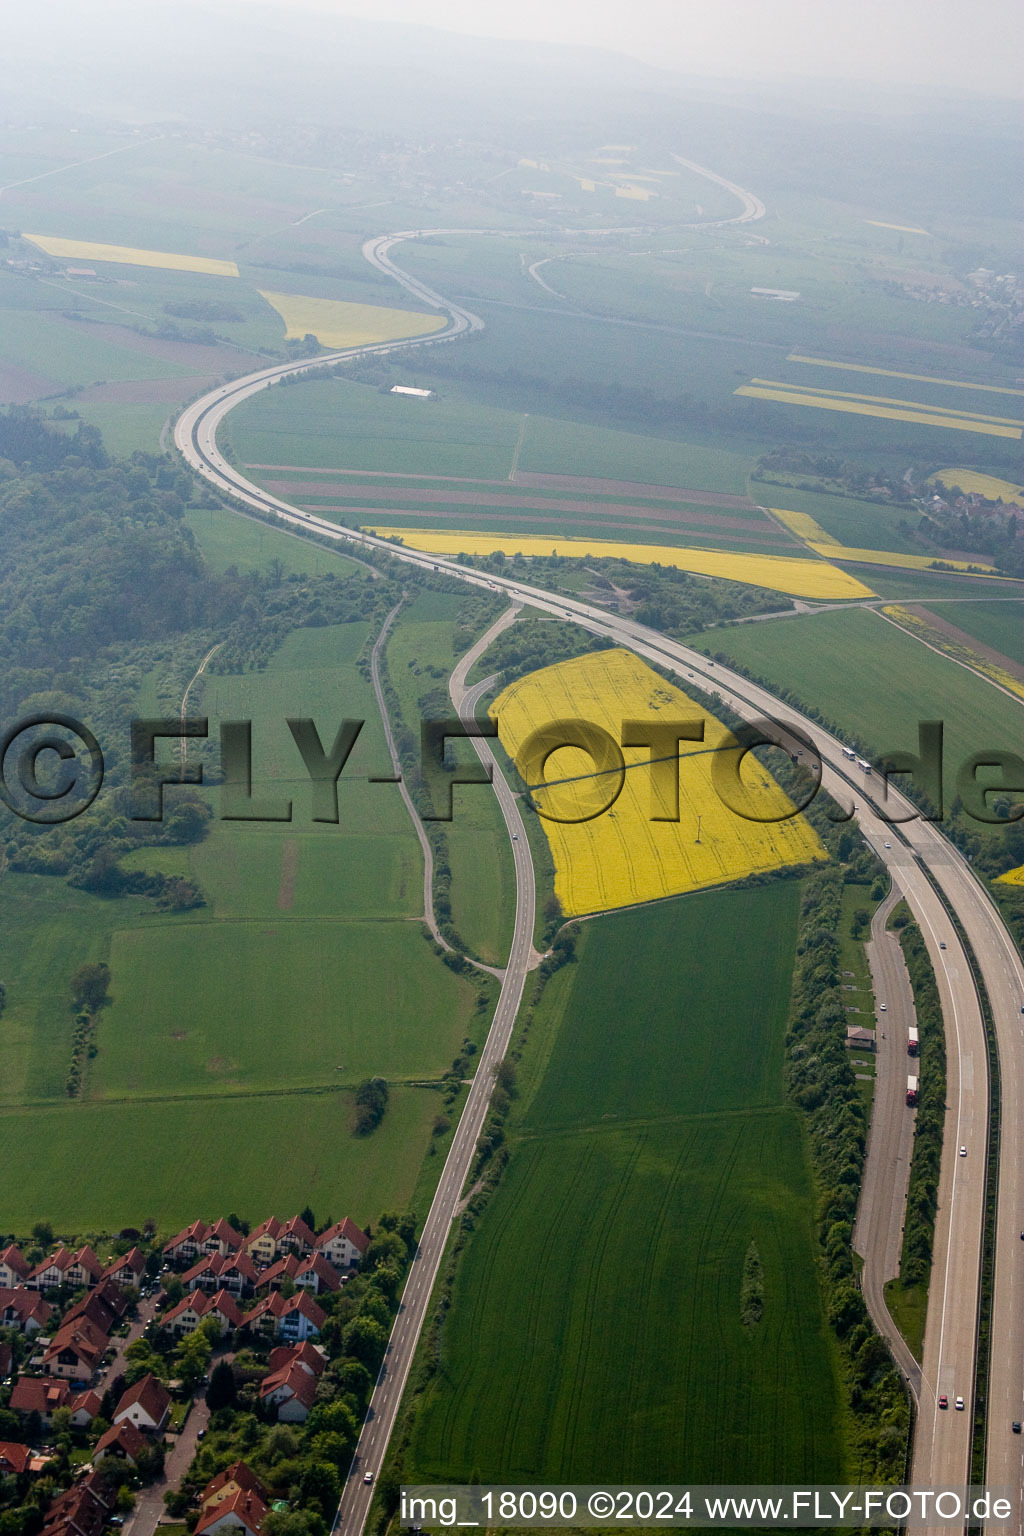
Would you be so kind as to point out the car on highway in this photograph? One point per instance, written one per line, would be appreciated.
(942, 943)
(881, 1007)
(963, 1151)
(1015, 1426)
(888, 845)
(943, 1401)
(368, 1478)
(959, 1405)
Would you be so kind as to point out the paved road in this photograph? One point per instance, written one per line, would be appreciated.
(387, 1394)
(878, 1231)
(917, 846)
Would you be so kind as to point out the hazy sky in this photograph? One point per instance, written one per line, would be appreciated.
(974, 44)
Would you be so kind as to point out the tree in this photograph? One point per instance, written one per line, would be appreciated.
(307, 1216)
(89, 986)
(320, 1488)
(42, 1233)
(222, 1391)
(365, 1339)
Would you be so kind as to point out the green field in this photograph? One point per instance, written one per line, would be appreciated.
(98, 1167)
(339, 424)
(654, 1145)
(483, 881)
(996, 624)
(227, 539)
(877, 682)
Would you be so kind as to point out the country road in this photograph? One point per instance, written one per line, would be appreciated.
(387, 1394)
(923, 861)
(878, 1231)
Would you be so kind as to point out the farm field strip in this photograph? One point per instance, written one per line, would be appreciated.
(338, 324)
(881, 412)
(892, 373)
(970, 481)
(779, 573)
(919, 624)
(823, 543)
(623, 856)
(920, 405)
(131, 256)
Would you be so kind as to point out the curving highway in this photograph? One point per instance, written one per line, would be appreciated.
(920, 859)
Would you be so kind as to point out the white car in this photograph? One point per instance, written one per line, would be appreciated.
(959, 1404)
(882, 1008)
(888, 845)
(963, 1151)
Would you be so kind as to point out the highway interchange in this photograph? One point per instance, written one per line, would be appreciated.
(919, 857)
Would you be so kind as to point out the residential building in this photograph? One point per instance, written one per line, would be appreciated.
(123, 1441)
(25, 1310)
(343, 1245)
(291, 1391)
(82, 1510)
(296, 1319)
(128, 1271)
(222, 1238)
(309, 1356)
(14, 1458)
(85, 1406)
(34, 1394)
(234, 1272)
(76, 1350)
(295, 1237)
(146, 1405)
(261, 1244)
(191, 1310)
(14, 1268)
(187, 1244)
(238, 1478)
(244, 1511)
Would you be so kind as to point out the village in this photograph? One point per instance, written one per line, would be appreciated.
(126, 1385)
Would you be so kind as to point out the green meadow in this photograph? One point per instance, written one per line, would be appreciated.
(651, 1145)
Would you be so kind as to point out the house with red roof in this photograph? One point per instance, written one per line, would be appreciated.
(122, 1441)
(343, 1245)
(234, 1272)
(294, 1319)
(146, 1405)
(76, 1350)
(238, 1478)
(191, 1310)
(14, 1458)
(85, 1406)
(25, 1310)
(188, 1243)
(82, 1510)
(295, 1237)
(222, 1238)
(261, 1244)
(309, 1356)
(66, 1268)
(34, 1394)
(244, 1510)
(313, 1274)
(105, 1306)
(14, 1268)
(291, 1391)
(127, 1271)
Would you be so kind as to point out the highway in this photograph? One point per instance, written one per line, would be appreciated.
(918, 850)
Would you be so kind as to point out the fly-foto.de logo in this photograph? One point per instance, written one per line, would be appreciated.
(52, 769)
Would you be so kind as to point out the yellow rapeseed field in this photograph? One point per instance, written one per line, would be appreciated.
(883, 412)
(780, 573)
(127, 255)
(1013, 877)
(804, 526)
(335, 324)
(822, 542)
(968, 481)
(910, 405)
(892, 373)
(622, 856)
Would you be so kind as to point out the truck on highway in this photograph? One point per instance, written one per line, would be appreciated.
(912, 1090)
(913, 1041)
